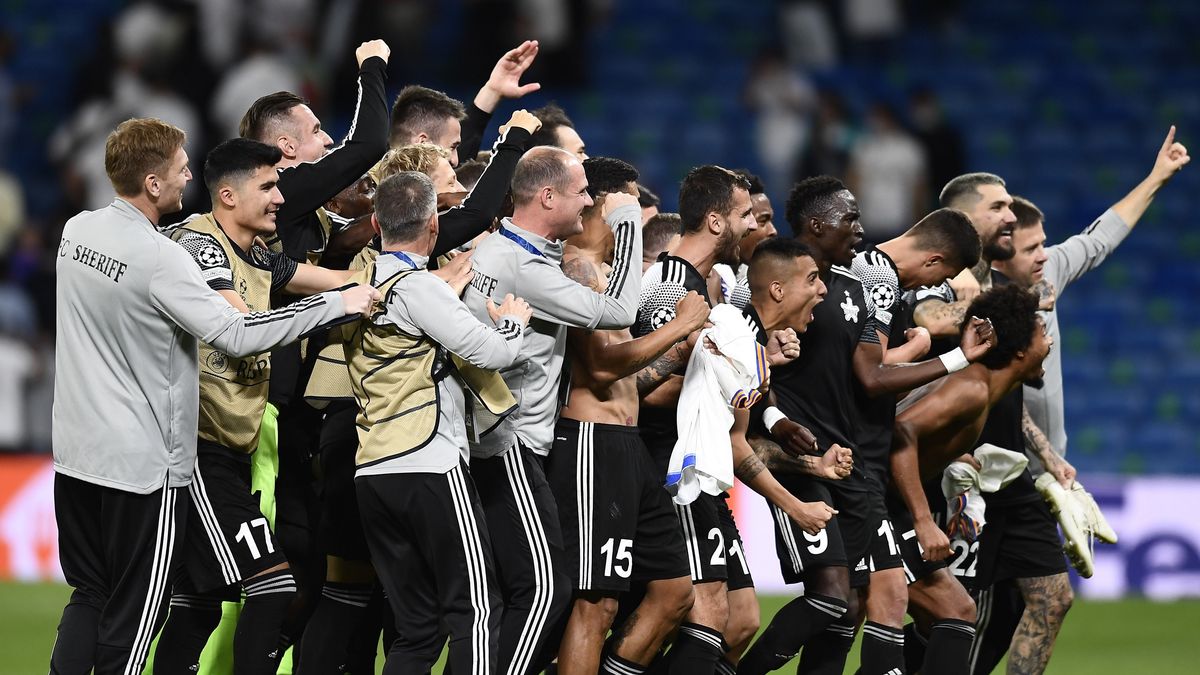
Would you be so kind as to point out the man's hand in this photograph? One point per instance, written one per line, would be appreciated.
(920, 336)
(812, 517)
(458, 272)
(837, 462)
(795, 439)
(783, 346)
(360, 299)
(505, 80)
(512, 306)
(934, 543)
(1046, 295)
(965, 286)
(615, 200)
(977, 338)
(1171, 158)
(691, 312)
(522, 119)
(372, 48)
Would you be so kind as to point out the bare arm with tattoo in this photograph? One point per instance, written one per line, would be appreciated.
(810, 516)
(1039, 446)
(939, 317)
(835, 464)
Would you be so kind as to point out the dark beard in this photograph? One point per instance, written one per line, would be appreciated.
(730, 252)
(994, 252)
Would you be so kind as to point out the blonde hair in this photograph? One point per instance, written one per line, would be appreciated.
(138, 148)
(420, 157)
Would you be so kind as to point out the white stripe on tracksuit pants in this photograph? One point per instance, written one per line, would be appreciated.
(522, 520)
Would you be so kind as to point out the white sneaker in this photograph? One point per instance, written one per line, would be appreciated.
(1076, 530)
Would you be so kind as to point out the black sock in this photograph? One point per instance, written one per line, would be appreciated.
(949, 649)
(795, 624)
(615, 665)
(338, 615)
(914, 648)
(191, 621)
(825, 654)
(696, 650)
(882, 650)
(256, 640)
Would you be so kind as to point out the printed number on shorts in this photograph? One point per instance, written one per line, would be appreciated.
(965, 557)
(735, 549)
(819, 542)
(718, 556)
(246, 536)
(624, 555)
(885, 530)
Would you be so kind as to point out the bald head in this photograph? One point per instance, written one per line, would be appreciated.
(542, 167)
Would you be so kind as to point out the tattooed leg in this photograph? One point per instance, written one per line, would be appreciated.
(1047, 600)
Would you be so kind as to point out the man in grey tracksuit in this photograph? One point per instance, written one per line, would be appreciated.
(549, 193)
(1050, 270)
(131, 309)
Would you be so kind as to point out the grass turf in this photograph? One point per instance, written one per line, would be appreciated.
(1128, 636)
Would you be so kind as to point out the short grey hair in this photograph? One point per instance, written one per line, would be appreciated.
(540, 167)
(404, 203)
(964, 190)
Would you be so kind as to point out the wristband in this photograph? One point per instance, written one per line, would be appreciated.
(954, 361)
(771, 417)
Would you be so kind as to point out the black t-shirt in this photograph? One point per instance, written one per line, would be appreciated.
(817, 389)
(880, 278)
(1003, 429)
(663, 285)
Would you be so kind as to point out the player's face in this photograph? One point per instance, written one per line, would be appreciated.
(764, 220)
(172, 183)
(803, 292)
(311, 141)
(573, 199)
(844, 231)
(444, 179)
(258, 201)
(1039, 349)
(994, 219)
(648, 212)
(738, 223)
(1026, 267)
(449, 139)
(356, 201)
(568, 139)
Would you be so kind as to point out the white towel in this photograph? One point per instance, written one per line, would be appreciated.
(714, 385)
(964, 486)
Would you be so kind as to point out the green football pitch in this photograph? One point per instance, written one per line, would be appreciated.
(1129, 636)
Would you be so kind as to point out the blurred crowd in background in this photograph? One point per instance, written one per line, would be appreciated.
(894, 97)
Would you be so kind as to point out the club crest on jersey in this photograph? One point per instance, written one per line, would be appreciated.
(849, 309)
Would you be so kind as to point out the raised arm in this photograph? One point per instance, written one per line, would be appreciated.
(1076, 256)
(475, 214)
(503, 82)
(310, 185)
(1172, 157)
